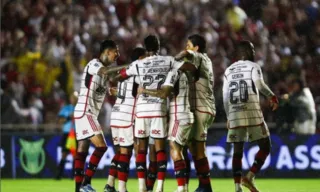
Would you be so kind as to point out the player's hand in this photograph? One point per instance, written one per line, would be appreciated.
(228, 124)
(181, 55)
(140, 90)
(274, 103)
(113, 91)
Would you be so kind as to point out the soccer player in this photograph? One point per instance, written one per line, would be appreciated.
(65, 121)
(92, 94)
(242, 82)
(151, 119)
(202, 104)
(122, 118)
(181, 119)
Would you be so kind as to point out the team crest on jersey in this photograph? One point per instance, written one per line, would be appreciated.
(100, 90)
(232, 137)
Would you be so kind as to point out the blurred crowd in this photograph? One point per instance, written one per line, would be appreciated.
(46, 43)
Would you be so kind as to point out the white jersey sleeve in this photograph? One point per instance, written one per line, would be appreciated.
(171, 78)
(94, 67)
(257, 78)
(132, 69)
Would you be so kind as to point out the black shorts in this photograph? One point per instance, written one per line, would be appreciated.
(63, 142)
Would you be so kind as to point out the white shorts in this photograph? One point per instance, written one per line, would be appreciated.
(87, 126)
(179, 131)
(201, 124)
(122, 136)
(153, 127)
(244, 134)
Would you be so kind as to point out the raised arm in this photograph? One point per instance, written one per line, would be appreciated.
(104, 71)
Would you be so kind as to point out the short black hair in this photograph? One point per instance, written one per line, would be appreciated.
(152, 43)
(198, 40)
(245, 49)
(137, 52)
(107, 44)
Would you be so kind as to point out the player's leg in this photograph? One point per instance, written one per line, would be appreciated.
(158, 131)
(152, 169)
(126, 146)
(64, 155)
(99, 142)
(114, 162)
(141, 132)
(188, 167)
(178, 136)
(237, 137)
(260, 134)
(113, 169)
(79, 162)
(237, 165)
(100, 148)
(197, 149)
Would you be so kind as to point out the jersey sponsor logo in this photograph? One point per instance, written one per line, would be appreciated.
(96, 65)
(100, 90)
(85, 132)
(154, 100)
(121, 140)
(141, 132)
(237, 76)
(240, 107)
(156, 132)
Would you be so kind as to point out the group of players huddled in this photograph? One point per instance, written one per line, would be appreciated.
(162, 98)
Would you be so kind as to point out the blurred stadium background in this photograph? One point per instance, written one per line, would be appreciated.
(46, 43)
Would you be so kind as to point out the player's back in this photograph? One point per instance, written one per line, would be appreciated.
(152, 72)
(202, 96)
(123, 109)
(243, 97)
(179, 102)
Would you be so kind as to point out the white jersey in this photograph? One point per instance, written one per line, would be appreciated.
(123, 110)
(241, 95)
(202, 98)
(92, 91)
(152, 72)
(179, 103)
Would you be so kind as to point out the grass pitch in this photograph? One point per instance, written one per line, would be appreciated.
(219, 185)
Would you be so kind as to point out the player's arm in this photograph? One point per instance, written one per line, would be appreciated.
(225, 94)
(105, 71)
(257, 78)
(162, 93)
(184, 54)
(166, 88)
(125, 73)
